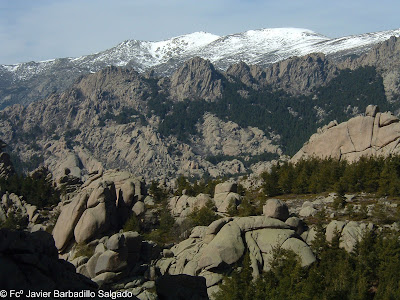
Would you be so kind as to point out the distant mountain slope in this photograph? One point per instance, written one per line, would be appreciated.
(200, 121)
(27, 82)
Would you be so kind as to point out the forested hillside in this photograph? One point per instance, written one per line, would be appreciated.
(294, 118)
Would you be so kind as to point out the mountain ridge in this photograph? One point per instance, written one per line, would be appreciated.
(280, 37)
(30, 81)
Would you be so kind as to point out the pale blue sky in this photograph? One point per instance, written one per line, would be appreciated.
(45, 29)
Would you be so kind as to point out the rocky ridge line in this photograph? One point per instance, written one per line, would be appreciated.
(19, 84)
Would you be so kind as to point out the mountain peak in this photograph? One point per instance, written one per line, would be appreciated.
(261, 47)
(196, 77)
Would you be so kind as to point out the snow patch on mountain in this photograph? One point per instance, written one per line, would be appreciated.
(264, 46)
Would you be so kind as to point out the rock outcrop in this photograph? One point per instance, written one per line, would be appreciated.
(225, 196)
(197, 78)
(122, 261)
(349, 232)
(113, 256)
(16, 213)
(228, 138)
(120, 131)
(374, 134)
(295, 75)
(301, 74)
(102, 205)
(182, 206)
(385, 57)
(277, 209)
(210, 250)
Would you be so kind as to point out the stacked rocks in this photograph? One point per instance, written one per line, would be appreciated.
(101, 206)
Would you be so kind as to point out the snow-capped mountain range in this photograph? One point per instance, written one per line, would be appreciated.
(27, 82)
(264, 46)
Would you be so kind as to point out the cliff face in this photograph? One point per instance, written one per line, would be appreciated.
(386, 58)
(197, 78)
(104, 121)
(373, 134)
(301, 74)
(296, 75)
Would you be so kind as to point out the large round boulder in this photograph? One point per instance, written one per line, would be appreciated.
(70, 214)
(277, 209)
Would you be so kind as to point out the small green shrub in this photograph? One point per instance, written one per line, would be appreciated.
(339, 202)
(83, 250)
(132, 224)
(203, 216)
(15, 221)
(382, 214)
(37, 190)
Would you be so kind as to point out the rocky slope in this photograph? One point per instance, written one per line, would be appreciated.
(294, 75)
(105, 201)
(197, 78)
(104, 121)
(94, 253)
(118, 118)
(208, 253)
(27, 82)
(374, 134)
(386, 58)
